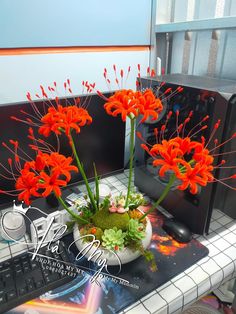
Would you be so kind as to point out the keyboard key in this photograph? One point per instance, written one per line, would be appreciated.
(49, 254)
(22, 290)
(24, 258)
(7, 264)
(18, 272)
(16, 260)
(2, 299)
(26, 265)
(26, 269)
(17, 266)
(48, 279)
(7, 276)
(9, 284)
(5, 270)
(33, 264)
(11, 295)
(64, 257)
(39, 284)
(56, 256)
(29, 281)
(46, 272)
(30, 287)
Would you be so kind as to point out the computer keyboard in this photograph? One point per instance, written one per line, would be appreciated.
(23, 279)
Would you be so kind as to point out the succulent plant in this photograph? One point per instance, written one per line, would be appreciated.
(113, 239)
(119, 200)
(136, 230)
(136, 200)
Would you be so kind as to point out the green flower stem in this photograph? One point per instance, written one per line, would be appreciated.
(131, 158)
(81, 169)
(77, 217)
(161, 198)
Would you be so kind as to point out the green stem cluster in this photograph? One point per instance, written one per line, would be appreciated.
(76, 217)
(131, 158)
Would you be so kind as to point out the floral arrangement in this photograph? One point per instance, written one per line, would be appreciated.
(115, 221)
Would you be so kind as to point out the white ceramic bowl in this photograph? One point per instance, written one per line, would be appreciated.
(125, 256)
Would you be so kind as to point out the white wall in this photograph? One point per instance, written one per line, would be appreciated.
(22, 73)
(62, 23)
(207, 52)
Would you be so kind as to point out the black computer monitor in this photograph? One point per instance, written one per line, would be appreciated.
(101, 142)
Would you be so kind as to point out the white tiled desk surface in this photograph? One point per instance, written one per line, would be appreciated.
(203, 277)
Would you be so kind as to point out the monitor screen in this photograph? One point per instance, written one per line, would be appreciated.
(101, 142)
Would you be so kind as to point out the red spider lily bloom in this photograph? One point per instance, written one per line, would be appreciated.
(51, 183)
(39, 177)
(64, 119)
(132, 104)
(38, 164)
(27, 185)
(53, 161)
(61, 164)
(128, 103)
(190, 161)
(56, 118)
(200, 174)
(173, 155)
(150, 106)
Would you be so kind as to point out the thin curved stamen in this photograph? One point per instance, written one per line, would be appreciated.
(225, 153)
(198, 124)
(228, 140)
(225, 184)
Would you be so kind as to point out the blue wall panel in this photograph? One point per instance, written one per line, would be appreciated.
(47, 23)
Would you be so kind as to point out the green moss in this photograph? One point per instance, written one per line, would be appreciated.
(106, 220)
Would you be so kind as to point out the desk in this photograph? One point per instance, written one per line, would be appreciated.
(205, 276)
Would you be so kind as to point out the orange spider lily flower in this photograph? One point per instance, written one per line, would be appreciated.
(150, 106)
(62, 164)
(190, 161)
(39, 177)
(64, 119)
(132, 104)
(53, 173)
(173, 155)
(51, 183)
(27, 185)
(56, 118)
